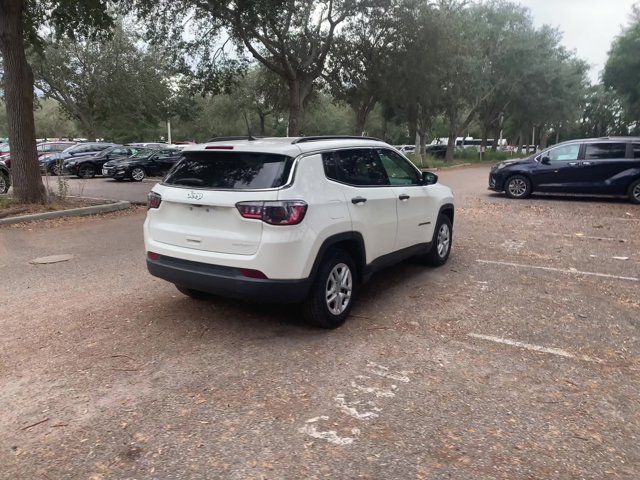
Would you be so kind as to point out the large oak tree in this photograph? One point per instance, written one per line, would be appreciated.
(292, 38)
(20, 24)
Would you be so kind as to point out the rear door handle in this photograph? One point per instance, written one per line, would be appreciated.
(404, 197)
(572, 164)
(358, 200)
(586, 164)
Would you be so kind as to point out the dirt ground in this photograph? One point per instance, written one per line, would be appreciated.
(520, 358)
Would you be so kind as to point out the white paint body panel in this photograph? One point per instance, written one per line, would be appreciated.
(211, 230)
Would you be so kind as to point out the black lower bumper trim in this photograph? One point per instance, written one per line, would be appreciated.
(227, 281)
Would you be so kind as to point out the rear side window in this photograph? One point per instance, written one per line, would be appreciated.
(360, 167)
(231, 171)
(604, 151)
(636, 150)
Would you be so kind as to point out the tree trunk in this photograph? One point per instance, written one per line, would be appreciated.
(18, 97)
(263, 118)
(519, 144)
(544, 139)
(496, 139)
(299, 90)
(451, 144)
(557, 136)
(413, 130)
(423, 141)
(362, 114)
(485, 136)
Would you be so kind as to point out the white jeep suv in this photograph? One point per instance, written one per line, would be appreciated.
(293, 220)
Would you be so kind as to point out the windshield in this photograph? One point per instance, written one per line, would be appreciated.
(231, 171)
(141, 152)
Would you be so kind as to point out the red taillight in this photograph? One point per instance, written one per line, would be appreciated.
(153, 256)
(154, 200)
(287, 212)
(249, 273)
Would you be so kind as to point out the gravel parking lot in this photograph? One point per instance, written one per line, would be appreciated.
(520, 358)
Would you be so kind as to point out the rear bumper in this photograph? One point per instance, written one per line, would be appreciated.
(227, 281)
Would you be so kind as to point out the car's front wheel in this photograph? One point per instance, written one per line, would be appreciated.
(138, 174)
(56, 169)
(634, 192)
(517, 186)
(87, 171)
(333, 291)
(441, 244)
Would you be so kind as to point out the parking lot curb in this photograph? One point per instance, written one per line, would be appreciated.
(73, 212)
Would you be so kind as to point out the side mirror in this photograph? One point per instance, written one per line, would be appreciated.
(545, 160)
(429, 178)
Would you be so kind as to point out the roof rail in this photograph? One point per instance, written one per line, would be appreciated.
(232, 139)
(332, 137)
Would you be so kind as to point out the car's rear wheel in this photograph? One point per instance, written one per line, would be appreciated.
(441, 243)
(333, 291)
(86, 171)
(195, 294)
(4, 182)
(634, 192)
(517, 186)
(55, 169)
(138, 174)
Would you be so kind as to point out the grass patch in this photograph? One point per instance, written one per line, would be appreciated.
(10, 207)
(461, 157)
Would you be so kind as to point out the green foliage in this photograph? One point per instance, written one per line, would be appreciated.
(52, 122)
(622, 70)
(112, 87)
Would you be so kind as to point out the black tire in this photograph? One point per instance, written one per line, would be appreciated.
(518, 187)
(195, 294)
(86, 171)
(315, 308)
(634, 192)
(138, 174)
(5, 182)
(436, 257)
(55, 169)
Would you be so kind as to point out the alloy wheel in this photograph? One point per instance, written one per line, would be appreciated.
(635, 193)
(517, 187)
(339, 288)
(444, 240)
(137, 174)
(87, 171)
(3, 184)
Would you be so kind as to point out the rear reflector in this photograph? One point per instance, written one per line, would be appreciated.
(249, 273)
(219, 147)
(153, 256)
(286, 212)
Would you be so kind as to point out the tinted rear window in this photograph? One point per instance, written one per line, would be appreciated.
(230, 170)
(603, 151)
(636, 150)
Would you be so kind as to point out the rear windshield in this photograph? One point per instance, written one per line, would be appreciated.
(230, 170)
